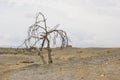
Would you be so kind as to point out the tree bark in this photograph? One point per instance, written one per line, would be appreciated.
(49, 52)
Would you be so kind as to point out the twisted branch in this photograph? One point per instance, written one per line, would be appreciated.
(41, 34)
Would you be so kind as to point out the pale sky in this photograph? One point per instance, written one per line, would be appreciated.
(89, 23)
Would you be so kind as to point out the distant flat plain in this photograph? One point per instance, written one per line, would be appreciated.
(68, 64)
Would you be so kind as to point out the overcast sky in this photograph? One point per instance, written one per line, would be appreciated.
(89, 23)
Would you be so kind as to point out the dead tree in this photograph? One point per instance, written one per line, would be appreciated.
(40, 35)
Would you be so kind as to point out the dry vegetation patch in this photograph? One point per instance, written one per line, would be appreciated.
(69, 64)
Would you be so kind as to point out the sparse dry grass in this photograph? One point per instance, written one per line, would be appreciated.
(65, 58)
(69, 64)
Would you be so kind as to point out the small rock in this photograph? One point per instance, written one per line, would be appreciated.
(102, 75)
(82, 78)
(17, 63)
(106, 63)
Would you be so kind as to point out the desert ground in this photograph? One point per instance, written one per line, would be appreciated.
(68, 64)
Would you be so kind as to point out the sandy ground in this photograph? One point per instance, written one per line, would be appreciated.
(69, 64)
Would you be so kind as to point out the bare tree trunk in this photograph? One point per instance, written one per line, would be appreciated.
(42, 57)
(49, 52)
(34, 32)
(49, 56)
(42, 44)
